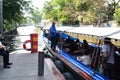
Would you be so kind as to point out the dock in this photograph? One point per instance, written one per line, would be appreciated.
(25, 67)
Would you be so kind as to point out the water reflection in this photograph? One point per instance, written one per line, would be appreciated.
(16, 38)
(9, 39)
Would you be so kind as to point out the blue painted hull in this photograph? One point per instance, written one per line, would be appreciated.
(84, 68)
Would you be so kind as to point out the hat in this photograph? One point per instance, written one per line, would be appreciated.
(107, 39)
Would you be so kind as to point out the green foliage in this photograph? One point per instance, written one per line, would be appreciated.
(85, 11)
(36, 16)
(13, 12)
(117, 15)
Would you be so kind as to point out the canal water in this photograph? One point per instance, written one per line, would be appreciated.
(23, 35)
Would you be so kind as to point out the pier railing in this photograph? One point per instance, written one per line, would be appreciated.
(13, 42)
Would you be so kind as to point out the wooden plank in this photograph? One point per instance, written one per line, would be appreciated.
(56, 74)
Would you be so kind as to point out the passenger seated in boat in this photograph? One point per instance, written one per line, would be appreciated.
(85, 45)
(82, 47)
(45, 34)
(70, 45)
(64, 44)
(67, 42)
(77, 47)
(86, 58)
(74, 45)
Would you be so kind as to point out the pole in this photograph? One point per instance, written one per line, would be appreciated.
(1, 15)
(41, 64)
(34, 43)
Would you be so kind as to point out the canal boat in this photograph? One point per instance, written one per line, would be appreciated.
(67, 62)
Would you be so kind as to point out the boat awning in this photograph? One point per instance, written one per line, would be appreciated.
(98, 31)
(111, 32)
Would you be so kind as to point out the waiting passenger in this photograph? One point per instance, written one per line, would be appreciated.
(5, 54)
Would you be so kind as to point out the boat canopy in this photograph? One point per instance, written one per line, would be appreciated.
(111, 32)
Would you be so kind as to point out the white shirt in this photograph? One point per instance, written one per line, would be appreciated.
(86, 59)
(1, 43)
(2, 46)
(110, 50)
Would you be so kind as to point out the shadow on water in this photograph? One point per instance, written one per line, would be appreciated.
(13, 39)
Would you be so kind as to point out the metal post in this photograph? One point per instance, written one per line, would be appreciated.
(34, 43)
(1, 15)
(41, 64)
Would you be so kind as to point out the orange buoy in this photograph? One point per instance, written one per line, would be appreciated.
(24, 45)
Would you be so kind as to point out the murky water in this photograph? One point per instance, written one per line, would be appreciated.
(23, 35)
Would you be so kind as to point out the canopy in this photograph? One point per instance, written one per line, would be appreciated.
(111, 32)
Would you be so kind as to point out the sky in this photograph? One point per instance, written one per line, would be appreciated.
(39, 3)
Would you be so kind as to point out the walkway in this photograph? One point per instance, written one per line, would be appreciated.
(25, 67)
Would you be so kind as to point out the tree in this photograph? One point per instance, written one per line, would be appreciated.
(84, 11)
(36, 16)
(117, 15)
(13, 12)
(111, 7)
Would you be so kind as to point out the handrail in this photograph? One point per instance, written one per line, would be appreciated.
(16, 35)
(12, 42)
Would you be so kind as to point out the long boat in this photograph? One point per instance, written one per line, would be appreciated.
(67, 62)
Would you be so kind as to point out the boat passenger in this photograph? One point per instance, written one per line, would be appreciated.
(68, 40)
(86, 58)
(67, 43)
(45, 33)
(53, 34)
(85, 45)
(108, 50)
(73, 46)
(77, 47)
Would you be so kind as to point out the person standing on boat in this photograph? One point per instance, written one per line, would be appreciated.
(108, 50)
(53, 36)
